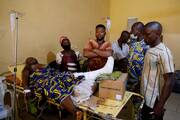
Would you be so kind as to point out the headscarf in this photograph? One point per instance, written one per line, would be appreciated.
(31, 61)
(62, 38)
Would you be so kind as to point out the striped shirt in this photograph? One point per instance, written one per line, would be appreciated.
(158, 61)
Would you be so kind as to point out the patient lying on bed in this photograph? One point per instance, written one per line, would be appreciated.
(61, 87)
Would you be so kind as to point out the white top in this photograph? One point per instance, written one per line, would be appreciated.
(158, 61)
(119, 53)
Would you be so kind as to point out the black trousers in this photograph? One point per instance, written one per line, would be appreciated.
(146, 114)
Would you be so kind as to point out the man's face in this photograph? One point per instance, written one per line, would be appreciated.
(150, 36)
(134, 31)
(100, 33)
(124, 38)
(66, 44)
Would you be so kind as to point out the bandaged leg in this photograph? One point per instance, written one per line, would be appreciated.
(108, 68)
(83, 91)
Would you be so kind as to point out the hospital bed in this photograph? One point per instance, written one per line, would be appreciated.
(108, 109)
(21, 91)
(92, 108)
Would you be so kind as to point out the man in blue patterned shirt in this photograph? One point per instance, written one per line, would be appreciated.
(136, 55)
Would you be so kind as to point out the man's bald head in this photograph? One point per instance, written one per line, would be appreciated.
(137, 30)
(155, 26)
(152, 33)
(137, 26)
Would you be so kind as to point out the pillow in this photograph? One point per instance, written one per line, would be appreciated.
(10, 77)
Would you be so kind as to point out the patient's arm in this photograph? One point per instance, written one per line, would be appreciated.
(27, 72)
(25, 78)
(39, 66)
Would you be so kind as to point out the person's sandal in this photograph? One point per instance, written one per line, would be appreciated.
(78, 114)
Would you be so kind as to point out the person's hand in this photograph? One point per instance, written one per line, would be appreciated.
(93, 44)
(95, 50)
(39, 66)
(158, 110)
(26, 91)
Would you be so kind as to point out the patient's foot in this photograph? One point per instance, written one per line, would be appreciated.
(108, 68)
(79, 115)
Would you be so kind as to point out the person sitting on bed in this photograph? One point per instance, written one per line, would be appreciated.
(68, 59)
(61, 87)
(97, 50)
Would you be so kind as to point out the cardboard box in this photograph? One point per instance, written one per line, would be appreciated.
(113, 89)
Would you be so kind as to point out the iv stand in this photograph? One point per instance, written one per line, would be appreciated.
(15, 68)
(15, 38)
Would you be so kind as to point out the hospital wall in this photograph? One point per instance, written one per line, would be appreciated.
(41, 23)
(166, 12)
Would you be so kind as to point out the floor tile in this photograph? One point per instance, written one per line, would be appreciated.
(171, 115)
(172, 102)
